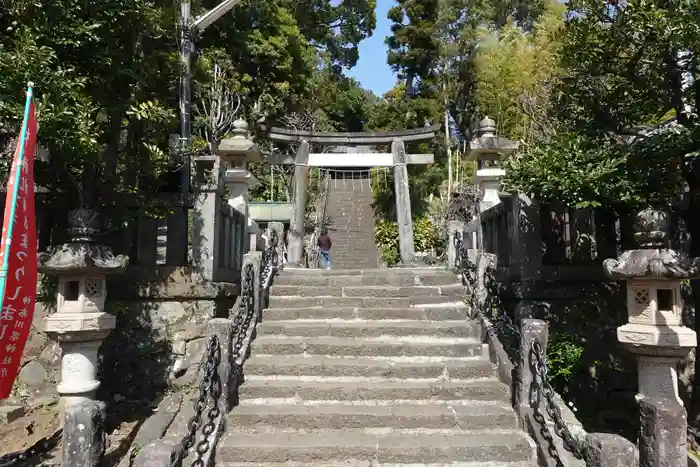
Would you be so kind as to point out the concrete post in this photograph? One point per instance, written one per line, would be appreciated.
(295, 249)
(404, 220)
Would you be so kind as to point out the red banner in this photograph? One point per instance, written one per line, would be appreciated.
(20, 286)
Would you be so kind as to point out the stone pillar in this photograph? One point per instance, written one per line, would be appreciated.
(80, 322)
(453, 254)
(278, 228)
(404, 219)
(526, 243)
(253, 235)
(83, 433)
(254, 260)
(208, 192)
(656, 335)
(295, 249)
(608, 450)
(531, 330)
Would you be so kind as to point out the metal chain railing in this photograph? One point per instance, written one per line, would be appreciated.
(209, 386)
(543, 390)
(43, 446)
(270, 260)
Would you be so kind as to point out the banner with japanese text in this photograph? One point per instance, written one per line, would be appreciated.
(18, 253)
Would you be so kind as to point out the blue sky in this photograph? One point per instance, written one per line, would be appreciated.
(372, 70)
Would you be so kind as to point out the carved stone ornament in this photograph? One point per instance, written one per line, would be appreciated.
(82, 254)
(653, 260)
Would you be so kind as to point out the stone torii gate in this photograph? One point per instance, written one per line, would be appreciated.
(359, 154)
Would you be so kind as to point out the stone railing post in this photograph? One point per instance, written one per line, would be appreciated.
(222, 329)
(656, 335)
(253, 259)
(608, 450)
(79, 325)
(278, 227)
(453, 255)
(484, 262)
(208, 189)
(531, 330)
(295, 249)
(404, 218)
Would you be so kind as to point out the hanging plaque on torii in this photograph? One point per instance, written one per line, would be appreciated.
(358, 153)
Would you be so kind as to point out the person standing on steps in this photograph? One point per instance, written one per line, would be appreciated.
(324, 244)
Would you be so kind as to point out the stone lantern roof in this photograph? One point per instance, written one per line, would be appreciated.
(82, 254)
(488, 143)
(241, 144)
(653, 260)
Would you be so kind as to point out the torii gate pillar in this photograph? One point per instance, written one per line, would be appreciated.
(404, 220)
(295, 246)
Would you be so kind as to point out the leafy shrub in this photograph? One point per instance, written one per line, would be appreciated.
(426, 236)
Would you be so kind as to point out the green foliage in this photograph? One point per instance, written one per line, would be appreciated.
(584, 171)
(515, 72)
(386, 236)
(426, 237)
(621, 62)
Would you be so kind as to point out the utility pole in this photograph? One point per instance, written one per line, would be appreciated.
(187, 29)
(186, 50)
(448, 145)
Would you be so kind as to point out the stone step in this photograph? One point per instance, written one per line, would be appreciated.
(359, 463)
(421, 271)
(397, 368)
(366, 302)
(363, 347)
(370, 328)
(381, 291)
(410, 447)
(473, 416)
(372, 279)
(436, 313)
(482, 389)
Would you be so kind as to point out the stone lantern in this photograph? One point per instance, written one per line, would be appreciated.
(235, 153)
(488, 150)
(655, 334)
(80, 323)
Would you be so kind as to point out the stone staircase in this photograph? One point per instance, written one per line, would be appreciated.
(349, 209)
(368, 368)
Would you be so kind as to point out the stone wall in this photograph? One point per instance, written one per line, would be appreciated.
(157, 345)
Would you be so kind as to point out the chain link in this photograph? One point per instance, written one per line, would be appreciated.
(544, 389)
(209, 385)
(210, 388)
(44, 445)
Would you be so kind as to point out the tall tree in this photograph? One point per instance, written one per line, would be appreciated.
(413, 46)
(336, 27)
